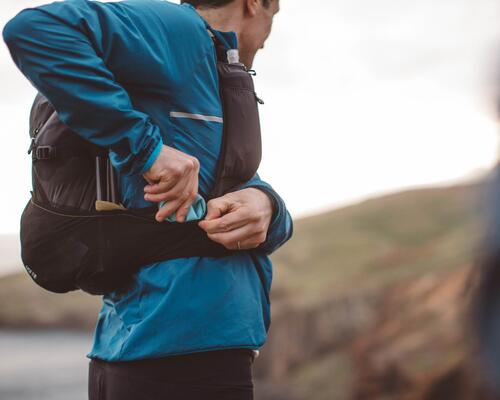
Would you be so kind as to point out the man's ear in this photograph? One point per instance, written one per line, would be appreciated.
(252, 6)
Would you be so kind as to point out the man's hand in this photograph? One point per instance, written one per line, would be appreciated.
(239, 220)
(173, 177)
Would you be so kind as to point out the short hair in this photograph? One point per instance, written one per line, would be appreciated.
(216, 3)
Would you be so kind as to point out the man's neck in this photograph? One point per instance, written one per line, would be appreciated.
(224, 19)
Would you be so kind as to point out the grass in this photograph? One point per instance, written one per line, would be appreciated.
(380, 241)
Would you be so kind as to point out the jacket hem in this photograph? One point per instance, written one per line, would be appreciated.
(161, 355)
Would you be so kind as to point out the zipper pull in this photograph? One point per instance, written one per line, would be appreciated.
(32, 145)
(259, 100)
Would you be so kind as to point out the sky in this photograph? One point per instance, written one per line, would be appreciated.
(363, 97)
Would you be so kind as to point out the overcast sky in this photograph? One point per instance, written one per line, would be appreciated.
(362, 97)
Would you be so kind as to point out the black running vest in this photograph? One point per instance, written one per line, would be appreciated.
(66, 244)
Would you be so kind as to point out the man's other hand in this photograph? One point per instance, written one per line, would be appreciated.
(242, 216)
(173, 178)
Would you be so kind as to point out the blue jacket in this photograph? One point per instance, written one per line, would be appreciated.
(119, 74)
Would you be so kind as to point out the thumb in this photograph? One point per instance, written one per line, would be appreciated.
(216, 208)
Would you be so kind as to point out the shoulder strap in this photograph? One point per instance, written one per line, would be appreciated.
(220, 49)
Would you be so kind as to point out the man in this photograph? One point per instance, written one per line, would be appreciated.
(120, 74)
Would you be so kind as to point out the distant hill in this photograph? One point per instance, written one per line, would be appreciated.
(368, 300)
(356, 293)
(380, 241)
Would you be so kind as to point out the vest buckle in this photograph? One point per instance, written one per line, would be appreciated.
(44, 153)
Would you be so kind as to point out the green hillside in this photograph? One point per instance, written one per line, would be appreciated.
(369, 300)
(380, 241)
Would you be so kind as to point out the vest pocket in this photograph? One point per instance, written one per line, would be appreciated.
(241, 149)
(100, 252)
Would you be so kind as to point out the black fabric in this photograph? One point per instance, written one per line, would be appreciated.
(211, 375)
(67, 180)
(241, 145)
(99, 253)
(67, 245)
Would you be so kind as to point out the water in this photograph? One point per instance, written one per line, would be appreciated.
(43, 365)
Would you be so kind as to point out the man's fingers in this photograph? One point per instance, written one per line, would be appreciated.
(247, 242)
(175, 194)
(245, 221)
(252, 242)
(230, 239)
(169, 168)
(178, 204)
(216, 208)
(249, 236)
(183, 209)
(226, 223)
(160, 187)
(172, 178)
(167, 210)
(180, 192)
(178, 200)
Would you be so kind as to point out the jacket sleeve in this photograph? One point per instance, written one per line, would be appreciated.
(281, 227)
(62, 48)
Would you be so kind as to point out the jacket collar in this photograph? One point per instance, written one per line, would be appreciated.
(228, 39)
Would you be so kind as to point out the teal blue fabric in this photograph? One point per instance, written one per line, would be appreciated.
(196, 212)
(114, 72)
